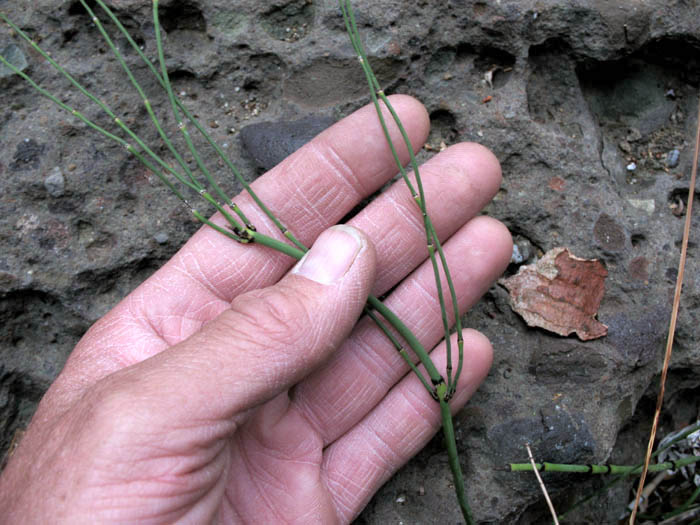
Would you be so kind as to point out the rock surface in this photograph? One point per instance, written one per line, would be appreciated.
(268, 143)
(566, 94)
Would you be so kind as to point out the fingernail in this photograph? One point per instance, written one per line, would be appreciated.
(331, 256)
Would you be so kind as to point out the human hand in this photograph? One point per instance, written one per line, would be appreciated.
(211, 393)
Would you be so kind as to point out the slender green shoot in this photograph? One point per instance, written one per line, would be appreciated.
(602, 469)
(241, 234)
(442, 392)
(99, 103)
(176, 113)
(686, 505)
(417, 347)
(156, 122)
(432, 240)
(220, 153)
(399, 347)
(614, 481)
(453, 455)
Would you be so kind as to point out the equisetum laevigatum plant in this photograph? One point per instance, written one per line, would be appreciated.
(187, 184)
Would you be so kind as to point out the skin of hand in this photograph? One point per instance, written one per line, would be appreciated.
(229, 389)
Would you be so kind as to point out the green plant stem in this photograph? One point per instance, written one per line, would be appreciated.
(244, 235)
(220, 153)
(453, 454)
(149, 109)
(410, 338)
(616, 480)
(62, 105)
(156, 122)
(686, 505)
(97, 128)
(602, 469)
(442, 392)
(399, 348)
(97, 101)
(247, 234)
(176, 113)
(432, 239)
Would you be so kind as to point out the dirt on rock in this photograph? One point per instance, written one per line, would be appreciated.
(589, 106)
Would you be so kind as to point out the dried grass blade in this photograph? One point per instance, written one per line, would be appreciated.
(674, 318)
(542, 486)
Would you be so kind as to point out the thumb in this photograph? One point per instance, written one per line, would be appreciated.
(268, 339)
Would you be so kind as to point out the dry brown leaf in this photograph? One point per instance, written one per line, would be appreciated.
(560, 293)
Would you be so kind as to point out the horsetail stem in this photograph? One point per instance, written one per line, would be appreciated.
(443, 391)
(240, 233)
(180, 124)
(453, 455)
(97, 101)
(147, 104)
(377, 93)
(220, 153)
(627, 470)
(410, 338)
(399, 348)
(688, 431)
(59, 103)
(156, 122)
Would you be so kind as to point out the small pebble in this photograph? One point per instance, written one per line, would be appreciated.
(671, 93)
(648, 205)
(401, 498)
(54, 183)
(14, 55)
(631, 166)
(27, 279)
(672, 158)
(633, 135)
(522, 251)
(516, 257)
(161, 237)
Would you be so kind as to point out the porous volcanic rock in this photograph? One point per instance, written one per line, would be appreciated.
(590, 107)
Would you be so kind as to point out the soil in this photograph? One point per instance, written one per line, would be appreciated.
(589, 106)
